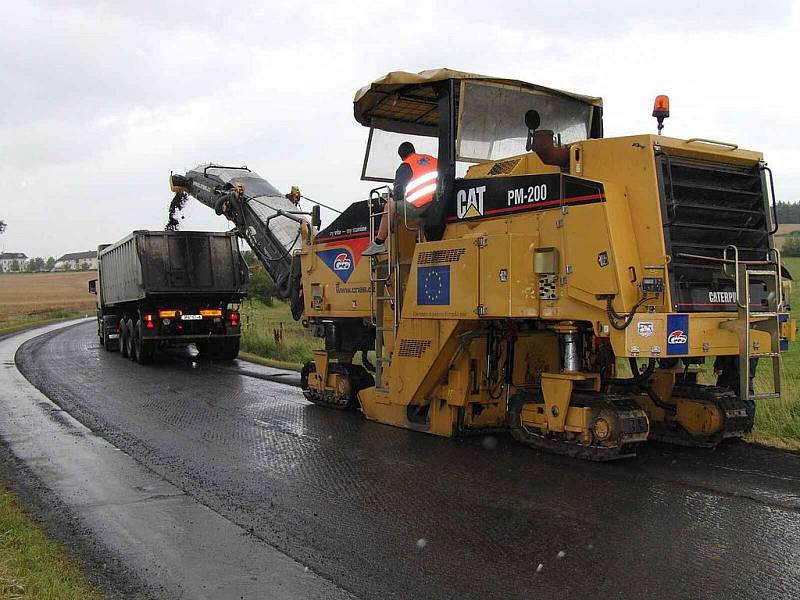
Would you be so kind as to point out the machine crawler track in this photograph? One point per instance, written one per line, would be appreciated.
(632, 429)
(346, 399)
(737, 417)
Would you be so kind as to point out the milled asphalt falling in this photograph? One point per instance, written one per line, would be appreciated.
(382, 512)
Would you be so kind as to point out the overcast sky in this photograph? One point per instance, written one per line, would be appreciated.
(102, 99)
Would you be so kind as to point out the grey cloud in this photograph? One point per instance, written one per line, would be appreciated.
(102, 99)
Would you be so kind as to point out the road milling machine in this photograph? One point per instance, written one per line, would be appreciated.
(585, 293)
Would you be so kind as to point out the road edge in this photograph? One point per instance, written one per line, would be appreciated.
(268, 570)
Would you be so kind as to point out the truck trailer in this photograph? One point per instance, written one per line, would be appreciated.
(170, 288)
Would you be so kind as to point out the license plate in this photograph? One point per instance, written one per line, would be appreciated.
(113, 336)
(191, 317)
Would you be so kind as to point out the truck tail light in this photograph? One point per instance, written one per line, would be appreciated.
(234, 319)
(149, 321)
(168, 314)
(211, 312)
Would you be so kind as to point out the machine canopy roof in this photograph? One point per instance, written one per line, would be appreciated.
(406, 102)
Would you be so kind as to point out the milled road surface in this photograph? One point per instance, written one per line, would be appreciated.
(387, 513)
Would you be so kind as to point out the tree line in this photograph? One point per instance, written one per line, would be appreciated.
(35, 265)
(788, 212)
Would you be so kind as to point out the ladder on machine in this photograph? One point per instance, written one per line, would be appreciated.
(384, 286)
(763, 319)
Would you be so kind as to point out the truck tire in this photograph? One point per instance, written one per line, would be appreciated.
(131, 342)
(205, 348)
(225, 349)
(228, 349)
(123, 338)
(108, 324)
(145, 349)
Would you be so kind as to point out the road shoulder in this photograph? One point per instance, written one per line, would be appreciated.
(175, 545)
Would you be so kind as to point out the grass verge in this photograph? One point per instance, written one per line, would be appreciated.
(778, 421)
(32, 567)
(272, 337)
(41, 319)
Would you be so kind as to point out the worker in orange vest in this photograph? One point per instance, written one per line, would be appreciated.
(414, 191)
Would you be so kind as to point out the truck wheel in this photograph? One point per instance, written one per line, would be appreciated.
(109, 324)
(123, 338)
(145, 349)
(229, 349)
(205, 349)
(131, 340)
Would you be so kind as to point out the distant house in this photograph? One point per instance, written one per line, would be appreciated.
(13, 261)
(77, 261)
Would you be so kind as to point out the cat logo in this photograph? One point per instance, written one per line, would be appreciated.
(722, 297)
(469, 203)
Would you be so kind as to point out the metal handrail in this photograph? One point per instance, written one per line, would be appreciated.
(735, 270)
(714, 142)
(723, 260)
(405, 221)
(771, 202)
(376, 195)
(242, 168)
(778, 273)
(376, 283)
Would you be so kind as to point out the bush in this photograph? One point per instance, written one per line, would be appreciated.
(262, 287)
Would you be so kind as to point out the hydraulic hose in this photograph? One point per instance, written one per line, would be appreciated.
(642, 381)
(638, 377)
(615, 318)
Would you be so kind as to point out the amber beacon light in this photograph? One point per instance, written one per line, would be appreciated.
(661, 110)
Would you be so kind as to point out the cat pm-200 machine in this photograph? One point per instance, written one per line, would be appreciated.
(574, 289)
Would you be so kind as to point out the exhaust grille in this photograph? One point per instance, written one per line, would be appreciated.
(440, 256)
(414, 348)
(706, 207)
(503, 167)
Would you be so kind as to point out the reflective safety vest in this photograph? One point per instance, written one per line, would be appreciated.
(422, 187)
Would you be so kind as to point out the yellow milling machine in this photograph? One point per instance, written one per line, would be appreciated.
(577, 290)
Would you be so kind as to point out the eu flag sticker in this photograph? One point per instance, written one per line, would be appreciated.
(433, 286)
(677, 334)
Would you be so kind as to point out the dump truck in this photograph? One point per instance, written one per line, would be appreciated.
(163, 288)
(585, 293)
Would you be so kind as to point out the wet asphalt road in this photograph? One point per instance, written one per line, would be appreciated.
(388, 513)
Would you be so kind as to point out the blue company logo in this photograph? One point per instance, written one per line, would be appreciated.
(677, 334)
(340, 261)
(433, 286)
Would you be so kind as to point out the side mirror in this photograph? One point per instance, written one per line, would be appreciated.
(316, 218)
(93, 286)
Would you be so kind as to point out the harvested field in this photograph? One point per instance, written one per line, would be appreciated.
(33, 296)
